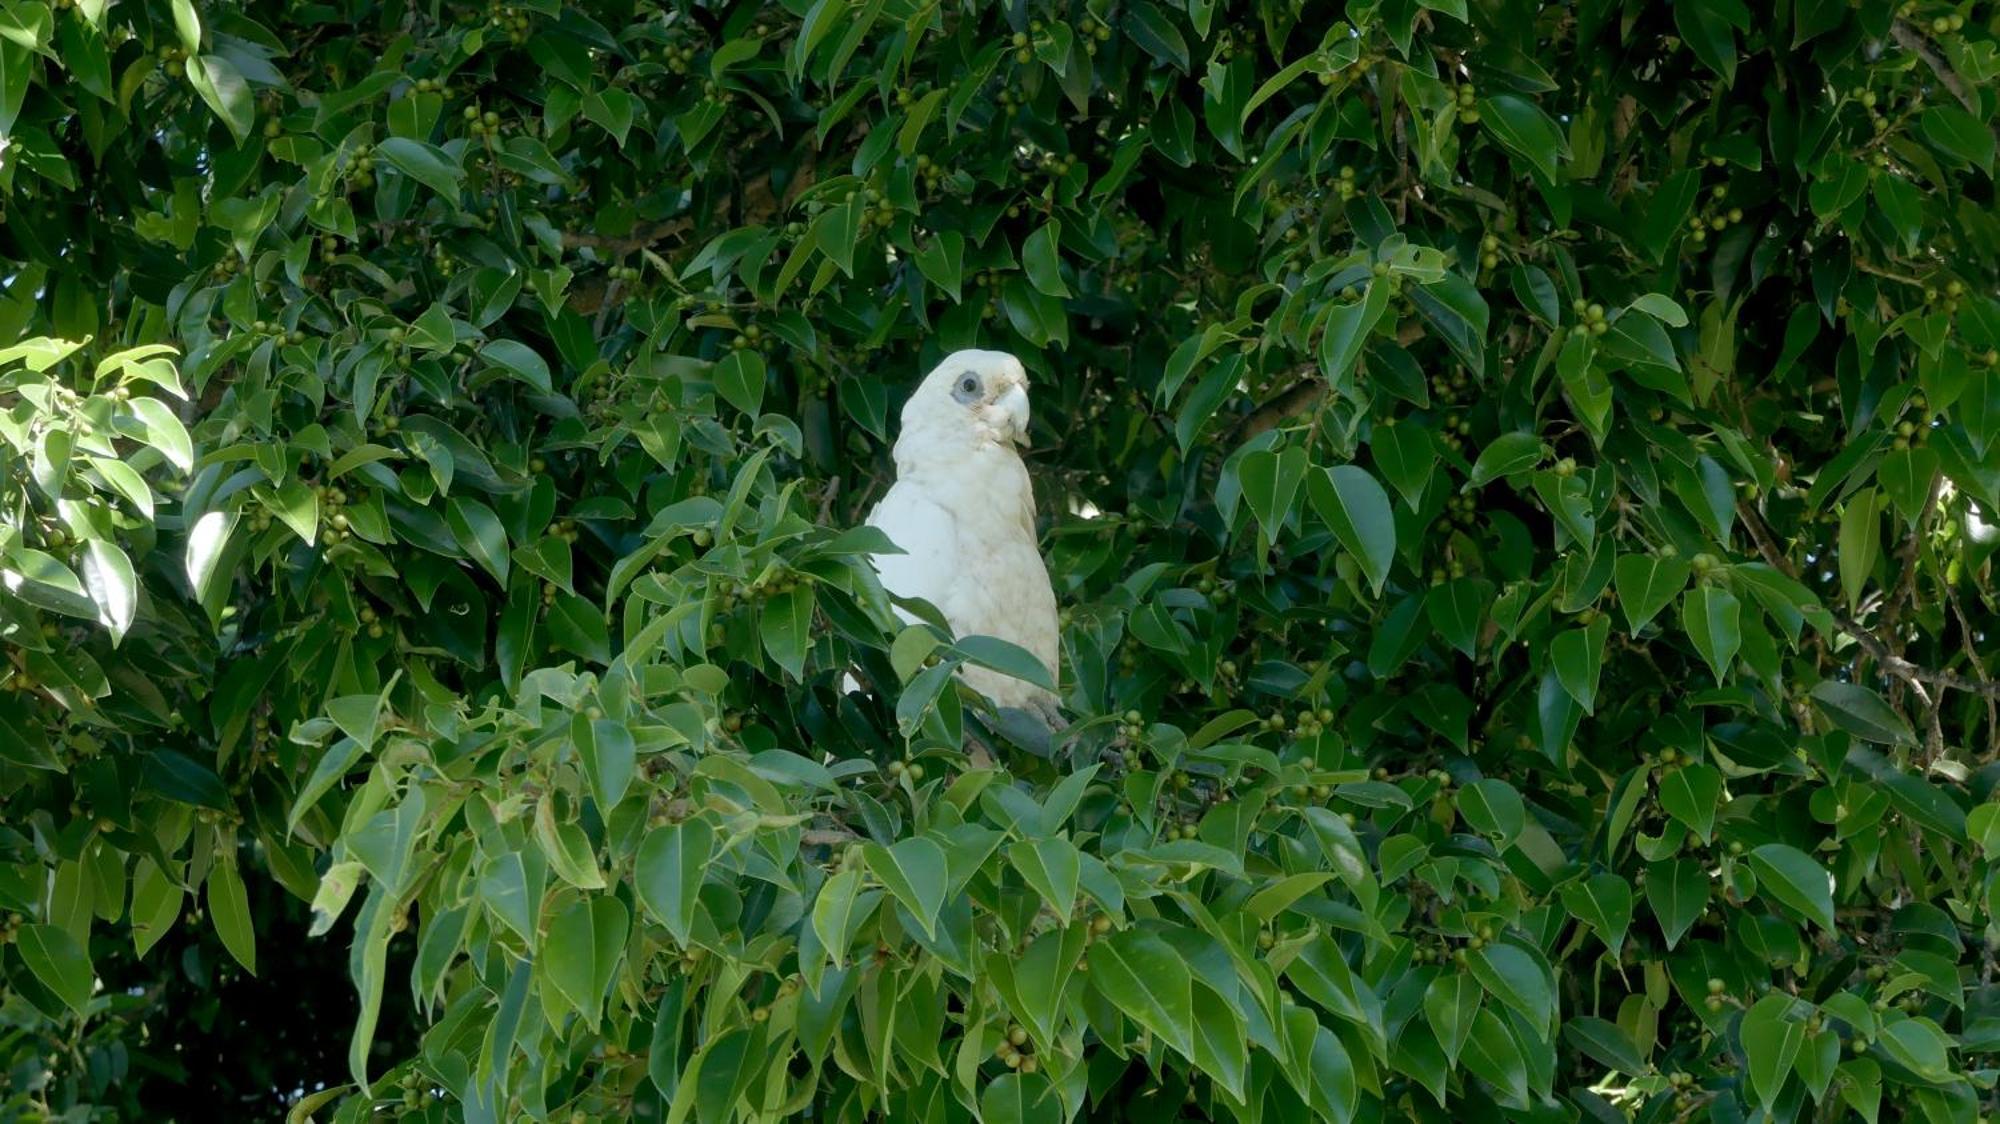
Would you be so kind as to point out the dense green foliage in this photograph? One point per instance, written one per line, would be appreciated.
(1520, 480)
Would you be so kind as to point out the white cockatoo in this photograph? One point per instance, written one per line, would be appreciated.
(963, 511)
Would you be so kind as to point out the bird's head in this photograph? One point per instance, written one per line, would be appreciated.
(977, 396)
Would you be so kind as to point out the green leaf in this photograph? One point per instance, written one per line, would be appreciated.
(1005, 657)
(1271, 486)
(161, 428)
(609, 757)
(1606, 1042)
(296, 504)
(1646, 584)
(941, 260)
(221, 85)
(1604, 902)
(156, 905)
(577, 626)
(1578, 656)
(917, 120)
(1454, 308)
(1710, 615)
(839, 911)
(1705, 27)
(915, 871)
(1771, 1041)
(1221, 1048)
(60, 962)
(1918, 1045)
(1661, 307)
(187, 25)
(229, 911)
(1508, 454)
(1145, 978)
(785, 624)
(1792, 877)
(427, 164)
(1156, 34)
(1860, 541)
(1512, 976)
(1691, 794)
(1041, 257)
(1267, 903)
(1677, 890)
(1020, 1098)
(1959, 134)
(1525, 130)
(1925, 803)
(1863, 713)
(608, 929)
(1492, 1054)
(481, 535)
(567, 848)
(1346, 333)
(1494, 809)
(671, 863)
(519, 360)
(1457, 608)
(114, 588)
(1356, 509)
(357, 716)
(1052, 867)
(1406, 456)
(739, 378)
(1451, 1003)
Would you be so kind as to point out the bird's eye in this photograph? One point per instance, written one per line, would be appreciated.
(967, 387)
(968, 384)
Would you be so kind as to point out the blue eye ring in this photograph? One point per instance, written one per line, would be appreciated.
(967, 387)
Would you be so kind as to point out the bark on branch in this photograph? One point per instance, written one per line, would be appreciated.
(1301, 396)
(1911, 39)
(1890, 662)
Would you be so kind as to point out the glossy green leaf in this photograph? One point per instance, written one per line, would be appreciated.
(1791, 876)
(1863, 713)
(1149, 981)
(60, 962)
(672, 862)
(1357, 510)
(1677, 890)
(915, 871)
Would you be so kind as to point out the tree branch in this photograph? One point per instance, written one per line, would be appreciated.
(1301, 396)
(1892, 611)
(1891, 663)
(1294, 400)
(1906, 34)
(1972, 657)
(640, 238)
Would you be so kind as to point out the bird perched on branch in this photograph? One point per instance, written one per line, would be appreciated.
(963, 511)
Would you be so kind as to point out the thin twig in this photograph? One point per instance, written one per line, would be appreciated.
(1892, 611)
(1972, 657)
(1761, 535)
(1934, 737)
(1911, 39)
(826, 500)
(1891, 663)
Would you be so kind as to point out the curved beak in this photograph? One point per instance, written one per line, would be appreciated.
(1014, 406)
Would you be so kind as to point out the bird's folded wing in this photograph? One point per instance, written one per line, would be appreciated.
(928, 534)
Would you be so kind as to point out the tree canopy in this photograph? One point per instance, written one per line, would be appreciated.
(1520, 478)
